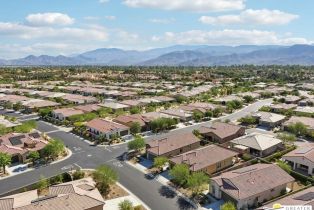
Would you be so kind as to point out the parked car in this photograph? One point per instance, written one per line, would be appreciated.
(151, 176)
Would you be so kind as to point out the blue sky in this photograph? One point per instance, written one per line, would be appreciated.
(68, 27)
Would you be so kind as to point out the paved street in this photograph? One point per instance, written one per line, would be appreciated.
(89, 157)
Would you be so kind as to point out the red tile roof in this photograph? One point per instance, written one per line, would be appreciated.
(105, 126)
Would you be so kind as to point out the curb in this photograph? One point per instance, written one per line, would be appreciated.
(32, 169)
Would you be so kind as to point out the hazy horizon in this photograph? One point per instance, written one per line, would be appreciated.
(70, 27)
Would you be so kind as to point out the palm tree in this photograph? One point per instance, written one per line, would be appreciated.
(5, 159)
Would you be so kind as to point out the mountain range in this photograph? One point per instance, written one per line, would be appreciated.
(179, 55)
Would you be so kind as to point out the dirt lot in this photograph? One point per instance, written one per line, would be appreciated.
(116, 192)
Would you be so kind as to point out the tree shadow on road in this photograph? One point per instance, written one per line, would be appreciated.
(184, 205)
(167, 192)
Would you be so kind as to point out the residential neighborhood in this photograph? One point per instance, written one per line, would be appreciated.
(156, 105)
(244, 149)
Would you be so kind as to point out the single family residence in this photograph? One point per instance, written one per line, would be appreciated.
(209, 159)
(222, 132)
(172, 145)
(251, 186)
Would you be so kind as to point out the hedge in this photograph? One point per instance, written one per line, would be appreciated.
(278, 155)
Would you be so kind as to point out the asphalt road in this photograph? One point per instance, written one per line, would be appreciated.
(89, 157)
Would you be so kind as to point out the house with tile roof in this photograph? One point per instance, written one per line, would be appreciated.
(198, 106)
(251, 186)
(76, 195)
(307, 121)
(101, 127)
(268, 119)
(64, 113)
(258, 144)
(221, 132)
(302, 159)
(301, 198)
(171, 145)
(20, 145)
(183, 115)
(209, 159)
(128, 120)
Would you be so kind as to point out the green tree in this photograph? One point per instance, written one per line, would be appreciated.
(180, 174)
(104, 176)
(196, 182)
(5, 160)
(135, 128)
(180, 99)
(265, 109)
(45, 112)
(3, 130)
(217, 112)
(162, 123)
(209, 113)
(228, 206)
(56, 179)
(43, 183)
(198, 116)
(26, 127)
(53, 149)
(17, 106)
(126, 205)
(160, 161)
(78, 174)
(298, 129)
(150, 109)
(137, 144)
(284, 166)
(248, 120)
(135, 110)
(248, 99)
(286, 137)
(8, 105)
(34, 155)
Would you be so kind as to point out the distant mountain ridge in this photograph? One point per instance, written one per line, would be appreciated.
(180, 55)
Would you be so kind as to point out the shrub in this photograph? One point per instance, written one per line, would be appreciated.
(126, 205)
(284, 166)
(248, 120)
(78, 174)
(180, 174)
(137, 144)
(160, 161)
(135, 128)
(104, 176)
(246, 157)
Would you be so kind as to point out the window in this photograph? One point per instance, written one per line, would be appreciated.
(219, 165)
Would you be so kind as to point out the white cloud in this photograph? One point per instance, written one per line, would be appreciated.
(162, 21)
(91, 18)
(188, 5)
(262, 17)
(221, 20)
(228, 37)
(110, 17)
(49, 19)
(30, 32)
